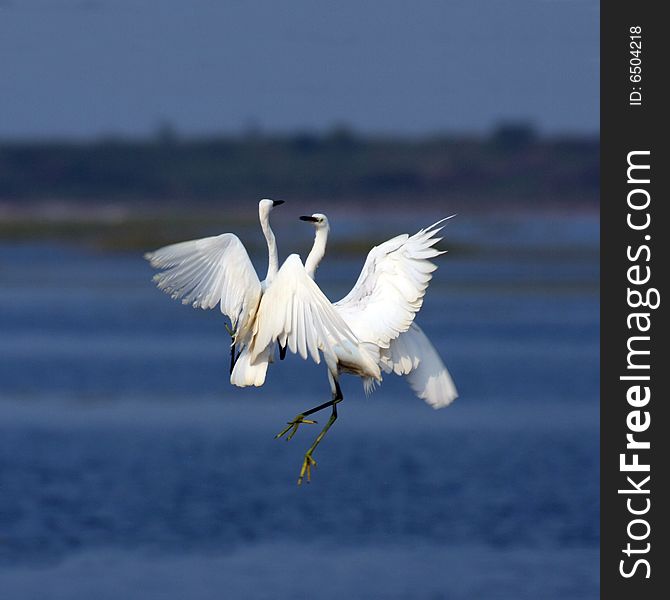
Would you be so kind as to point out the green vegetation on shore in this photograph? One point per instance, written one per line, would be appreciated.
(512, 165)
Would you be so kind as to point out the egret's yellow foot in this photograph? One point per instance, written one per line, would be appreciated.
(307, 465)
(292, 427)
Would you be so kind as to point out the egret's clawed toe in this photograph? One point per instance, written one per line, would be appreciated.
(307, 465)
(292, 427)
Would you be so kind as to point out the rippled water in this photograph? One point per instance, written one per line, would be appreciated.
(130, 468)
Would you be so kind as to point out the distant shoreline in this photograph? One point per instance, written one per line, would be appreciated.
(139, 226)
(511, 167)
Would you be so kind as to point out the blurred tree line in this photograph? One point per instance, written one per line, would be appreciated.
(512, 164)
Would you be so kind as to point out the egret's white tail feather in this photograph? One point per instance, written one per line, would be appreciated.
(246, 373)
(369, 385)
(411, 354)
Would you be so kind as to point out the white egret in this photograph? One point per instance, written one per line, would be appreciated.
(217, 271)
(379, 311)
(410, 353)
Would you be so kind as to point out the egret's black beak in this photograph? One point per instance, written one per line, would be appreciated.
(308, 218)
(277, 202)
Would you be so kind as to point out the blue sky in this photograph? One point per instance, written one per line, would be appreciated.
(86, 68)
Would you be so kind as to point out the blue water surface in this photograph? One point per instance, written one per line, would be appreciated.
(130, 468)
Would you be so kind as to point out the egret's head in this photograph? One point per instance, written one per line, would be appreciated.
(320, 221)
(266, 205)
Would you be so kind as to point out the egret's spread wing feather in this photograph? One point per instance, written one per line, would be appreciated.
(296, 313)
(391, 286)
(411, 354)
(210, 271)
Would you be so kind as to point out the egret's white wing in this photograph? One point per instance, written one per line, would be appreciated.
(411, 354)
(391, 286)
(210, 271)
(296, 313)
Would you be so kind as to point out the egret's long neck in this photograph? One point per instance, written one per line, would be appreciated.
(317, 252)
(273, 261)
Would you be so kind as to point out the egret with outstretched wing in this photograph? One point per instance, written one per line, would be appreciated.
(381, 307)
(217, 271)
(378, 312)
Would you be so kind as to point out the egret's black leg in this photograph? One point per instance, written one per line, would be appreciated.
(309, 461)
(337, 397)
(322, 406)
(282, 352)
(293, 424)
(233, 359)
